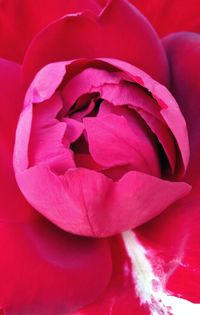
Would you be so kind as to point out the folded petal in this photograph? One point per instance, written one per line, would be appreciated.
(46, 140)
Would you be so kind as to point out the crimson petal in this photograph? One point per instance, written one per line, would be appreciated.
(20, 20)
(86, 35)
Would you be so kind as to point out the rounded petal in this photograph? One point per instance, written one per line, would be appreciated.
(20, 20)
(69, 200)
(118, 26)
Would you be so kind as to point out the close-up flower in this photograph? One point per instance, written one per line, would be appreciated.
(100, 150)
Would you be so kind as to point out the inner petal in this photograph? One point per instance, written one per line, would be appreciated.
(140, 130)
(90, 80)
(46, 141)
(117, 89)
(113, 143)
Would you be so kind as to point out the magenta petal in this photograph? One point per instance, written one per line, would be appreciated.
(116, 207)
(123, 146)
(88, 81)
(42, 88)
(139, 130)
(46, 138)
(146, 107)
(74, 129)
(169, 108)
(164, 136)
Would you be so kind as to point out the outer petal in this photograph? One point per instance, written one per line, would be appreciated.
(171, 16)
(42, 269)
(45, 271)
(92, 204)
(120, 296)
(172, 239)
(11, 101)
(20, 20)
(117, 32)
(183, 52)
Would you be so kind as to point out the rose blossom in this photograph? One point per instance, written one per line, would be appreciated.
(101, 147)
(88, 154)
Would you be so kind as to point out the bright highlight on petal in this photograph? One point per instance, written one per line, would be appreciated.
(150, 288)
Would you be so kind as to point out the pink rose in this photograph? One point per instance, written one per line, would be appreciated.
(109, 114)
(93, 143)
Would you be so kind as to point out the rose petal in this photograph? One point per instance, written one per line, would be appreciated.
(139, 128)
(50, 268)
(111, 87)
(62, 41)
(169, 108)
(36, 15)
(169, 17)
(183, 51)
(88, 203)
(11, 105)
(42, 269)
(120, 296)
(112, 142)
(174, 236)
(46, 138)
(11, 100)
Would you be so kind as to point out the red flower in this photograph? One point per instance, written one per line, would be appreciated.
(91, 76)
